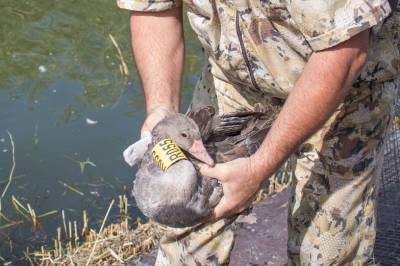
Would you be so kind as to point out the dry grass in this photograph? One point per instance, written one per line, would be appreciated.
(123, 68)
(115, 245)
(10, 177)
(112, 245)
(395, 123)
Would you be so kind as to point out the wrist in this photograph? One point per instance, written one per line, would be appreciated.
(257, 170)
(154, 116)
(162, 108)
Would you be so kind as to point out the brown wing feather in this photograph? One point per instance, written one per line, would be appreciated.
(204, 118)
(238, 134)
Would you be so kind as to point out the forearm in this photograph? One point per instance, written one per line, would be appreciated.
(158, 47)
(325, 82)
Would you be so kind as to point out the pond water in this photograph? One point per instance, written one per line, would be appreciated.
(71, 112)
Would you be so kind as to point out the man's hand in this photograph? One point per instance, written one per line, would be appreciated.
(325, 82)
(240, 184)
(155, 116)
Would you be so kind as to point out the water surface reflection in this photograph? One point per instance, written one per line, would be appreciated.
(65, 100)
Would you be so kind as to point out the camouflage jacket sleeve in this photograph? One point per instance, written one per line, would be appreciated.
(327, 23)
(148, 5)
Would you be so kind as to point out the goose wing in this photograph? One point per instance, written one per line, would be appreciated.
(239, 134)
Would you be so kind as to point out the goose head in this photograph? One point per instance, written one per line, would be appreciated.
(185, 132)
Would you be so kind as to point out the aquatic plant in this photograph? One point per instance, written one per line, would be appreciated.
(10, 177)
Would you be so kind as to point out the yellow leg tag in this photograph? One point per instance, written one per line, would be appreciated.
(167, 152)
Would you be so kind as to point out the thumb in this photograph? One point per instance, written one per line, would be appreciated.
(221, 210)
(216, 172)
(144, 133)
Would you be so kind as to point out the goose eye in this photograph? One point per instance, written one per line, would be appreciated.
(184, 135)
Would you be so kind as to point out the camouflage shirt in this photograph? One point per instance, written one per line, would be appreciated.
(265, 44)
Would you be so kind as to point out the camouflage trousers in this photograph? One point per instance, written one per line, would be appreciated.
(332, 207)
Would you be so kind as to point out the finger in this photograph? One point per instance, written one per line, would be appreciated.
(145, 132)
(227, 212)
(216, 172)
(223, 209)
(219, 210)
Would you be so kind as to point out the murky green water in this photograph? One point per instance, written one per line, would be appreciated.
(64, 99)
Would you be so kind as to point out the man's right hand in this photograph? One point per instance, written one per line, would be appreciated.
(155, 116)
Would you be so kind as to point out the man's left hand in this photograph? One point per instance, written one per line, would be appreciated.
(239, 182)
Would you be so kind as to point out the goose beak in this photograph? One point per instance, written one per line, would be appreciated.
(199, 152)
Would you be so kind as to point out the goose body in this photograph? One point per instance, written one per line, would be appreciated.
(180, 196)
